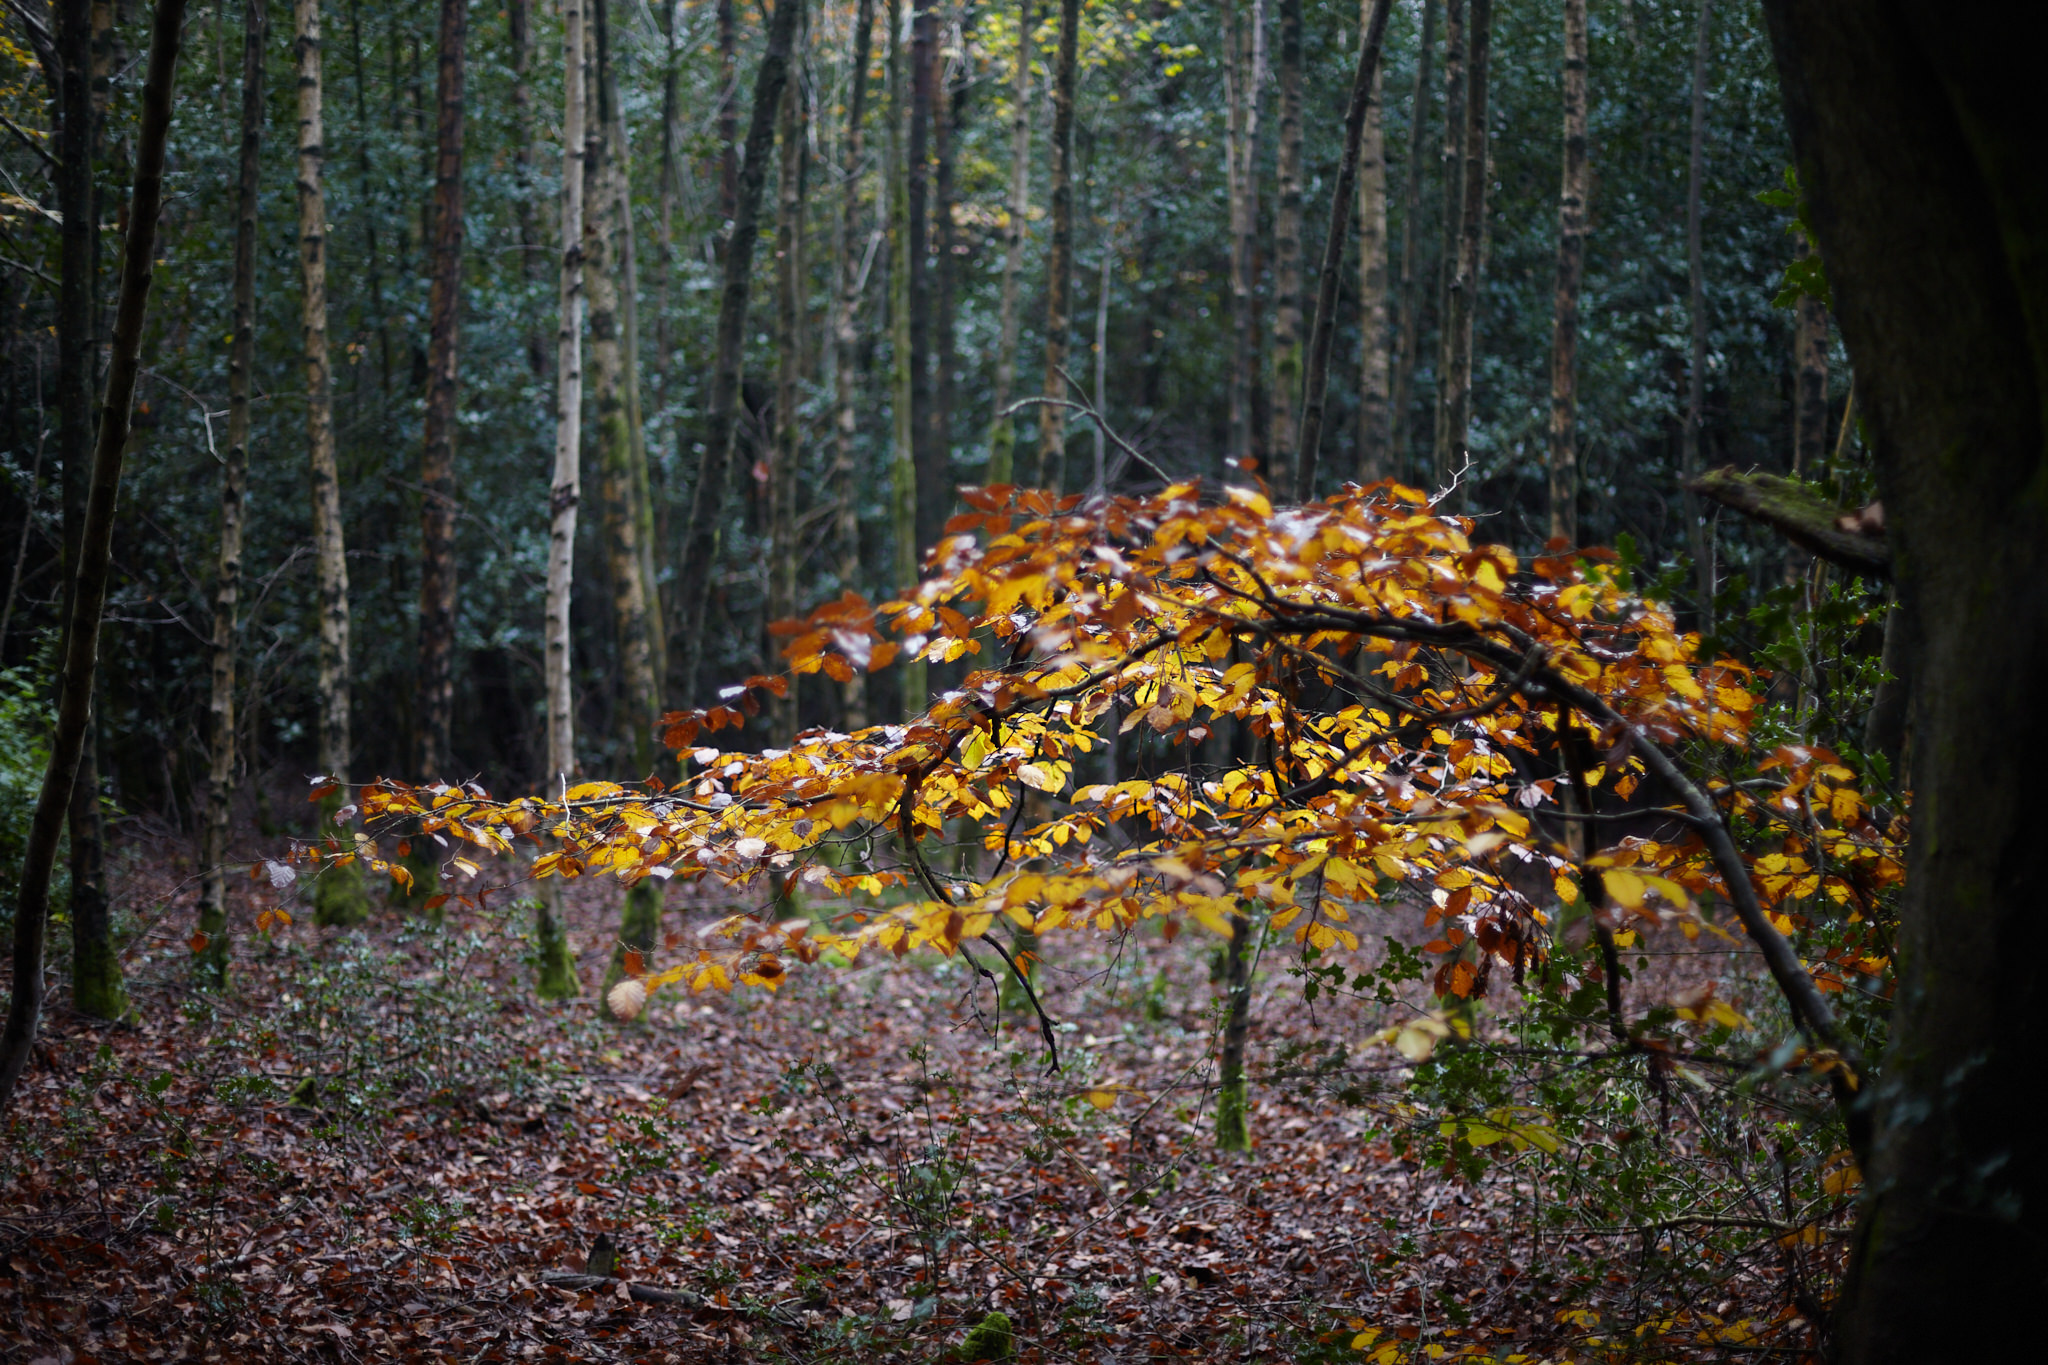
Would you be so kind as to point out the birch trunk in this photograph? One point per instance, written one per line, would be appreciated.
(1284, 405)
(1059, 270)
(1374, 456)
(707, 507)
(1571, 260)
(227, 576)
(437, 465)
(848, 284)
(946, 115)
(1002, 440)
(1323, 333)
(565, 489)
(338, 897)
(1413, 266)
(91, 569)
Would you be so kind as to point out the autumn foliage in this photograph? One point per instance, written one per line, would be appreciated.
(1342, 706)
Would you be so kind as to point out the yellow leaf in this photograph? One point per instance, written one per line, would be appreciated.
(1036, 776)
(1624, 888)
(1101, 1099)
(1567, 889)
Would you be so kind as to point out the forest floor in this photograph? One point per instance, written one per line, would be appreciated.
(379, 1146)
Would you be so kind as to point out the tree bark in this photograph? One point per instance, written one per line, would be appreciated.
(92, 568)
(1454, 393)
(728, 115)
(606, 200)
(227, 576)
(1243, 73)
(934, 497)
(1571, 261)
(1284, 404)
(848, 285)
(1373, 457)
(1413, 266)
(95, 970)
(902, 381)
(338, 894)
(1002, 440)
(707, 504)
(1233, 1127)
(1940, 296)
(1696, 312)
(784, 473)
(947, 114)
(1323, 334)
(565, 490)
(1059, 265)
(437, 464)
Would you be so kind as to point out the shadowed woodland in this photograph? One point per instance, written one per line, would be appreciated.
(922, 680)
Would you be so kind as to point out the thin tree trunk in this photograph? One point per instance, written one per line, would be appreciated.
(665, 192)
(902, 382)
(1454, 397)
(789, 329)
(728, 114)
(947, 111)
(89, 594)
(437, 465)
(934, 497)
(707, 506)
(642, 487)
(848, 284)
(1413, 266)
(1059, 268)
(519, 29)
(338, 895)
(1451, 160)
(604, 177)
(1696, 311)
(1284, 404)
(565, 491)
(1101, 352)
(96, 974)
(227, 577)
(1374, 454)
(556, 974)
(1244, 71)
(1323, 335)
(1810, 385)
(1571, 261)
(1002, 440)
(1233, 1129)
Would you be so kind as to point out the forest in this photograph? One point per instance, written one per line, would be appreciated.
(1065, 680)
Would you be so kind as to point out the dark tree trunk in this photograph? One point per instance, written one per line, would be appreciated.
(437, 464)
(947, 114)
(728, 114)
(1941, 296)
(1571, 261)
(95, 553)
(1451, 156)
(1059, 265)
(846, 292)
(707, 505)
(96, 972)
